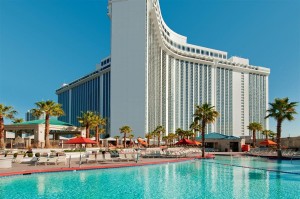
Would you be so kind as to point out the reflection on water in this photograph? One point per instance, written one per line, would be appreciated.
(41, 184)
(195, 179)
(254, 175)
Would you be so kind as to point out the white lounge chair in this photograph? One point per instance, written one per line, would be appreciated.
(122, 157)
(91, 158)
(107, 157)
(52, 160)
(100, 158)
(18, 159)
(61, 159)
(42, 160)
(131, 156)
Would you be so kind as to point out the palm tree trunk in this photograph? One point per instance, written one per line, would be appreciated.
(97, 135)
(254, 138)
(130, 143)
(158, 139)
(124, 140)
(87, 128)
(87, 131)
(47, 141)
(203, 138)
(148, 140)
(2, 144)
(279, 152)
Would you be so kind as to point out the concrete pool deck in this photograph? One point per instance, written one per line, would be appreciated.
(29, 168)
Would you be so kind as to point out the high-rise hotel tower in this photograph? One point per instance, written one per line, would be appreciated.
(157, 78)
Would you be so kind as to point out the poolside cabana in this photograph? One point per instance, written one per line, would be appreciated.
(34, 131)
(220, 142)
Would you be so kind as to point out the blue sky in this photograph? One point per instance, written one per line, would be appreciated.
(44, 44)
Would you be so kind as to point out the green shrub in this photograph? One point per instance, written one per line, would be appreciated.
(30, 155)
(37, 155)
(75, 150)
(15, 155)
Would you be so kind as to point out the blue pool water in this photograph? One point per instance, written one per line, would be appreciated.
(192, 179)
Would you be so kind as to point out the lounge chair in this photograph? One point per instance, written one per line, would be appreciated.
(107, 157)
(132, 156)
(61, 159)
(18, 159)
(91, 158)
(100, 158)
(42, 160)
(122, 157)
(34, 160)
(52, 160)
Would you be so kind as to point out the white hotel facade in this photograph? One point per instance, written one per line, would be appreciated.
(157, 78)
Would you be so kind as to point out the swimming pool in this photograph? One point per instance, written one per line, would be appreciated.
(192, 179)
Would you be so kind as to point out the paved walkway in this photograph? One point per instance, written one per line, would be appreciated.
(27, 168)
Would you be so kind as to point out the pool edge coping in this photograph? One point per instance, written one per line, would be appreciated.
(86, 168)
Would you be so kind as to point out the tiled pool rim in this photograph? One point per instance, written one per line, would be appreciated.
(94, 167)
(132, 164)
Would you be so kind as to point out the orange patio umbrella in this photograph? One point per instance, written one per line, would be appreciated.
(196, 142)
(267, 142)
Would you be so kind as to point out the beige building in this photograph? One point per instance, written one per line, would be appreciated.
(33, 132)
(220, 142)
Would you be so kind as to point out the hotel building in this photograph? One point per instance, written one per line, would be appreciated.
(155, 77)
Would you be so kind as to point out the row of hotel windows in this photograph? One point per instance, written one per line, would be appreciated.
(106, 61)
(193, 50)
(166, 34)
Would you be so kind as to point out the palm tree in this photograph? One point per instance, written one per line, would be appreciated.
(195, 127)
(87, 121)
(49, 108)
(159, 131)
(17, 120)
(125, 130)
(268, 133)
(180, 133)
(130, 138)
(254, 126)
(206, 114)
(5, 112)
(165, 139)
(98, 124)
(171, 137)
(280, 110)
(148, 136)
(117, 138)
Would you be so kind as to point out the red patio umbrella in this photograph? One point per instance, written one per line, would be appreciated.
(267, 142)
(186, 142)
(80, 140)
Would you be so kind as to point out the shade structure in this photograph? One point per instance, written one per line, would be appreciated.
(186, 142)
(267, 142)
(80, 140)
